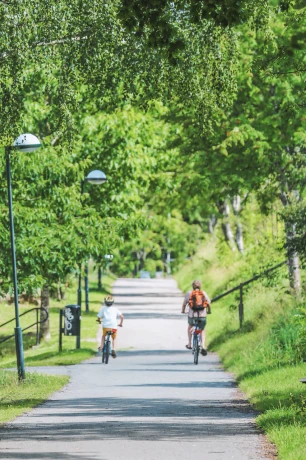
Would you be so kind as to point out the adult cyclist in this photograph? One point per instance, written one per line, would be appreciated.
(200, 315)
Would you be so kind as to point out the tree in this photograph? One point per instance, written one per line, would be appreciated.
(69, 44)
(57, 229)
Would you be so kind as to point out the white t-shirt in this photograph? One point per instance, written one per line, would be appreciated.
(109, 316)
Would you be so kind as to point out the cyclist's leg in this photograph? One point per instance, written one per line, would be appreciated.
(114, 341)
(102, 342)
(203, 338)
(189, 330)
(104, 332)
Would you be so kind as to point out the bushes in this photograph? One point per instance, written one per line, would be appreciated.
(277, 347)
(300, 321)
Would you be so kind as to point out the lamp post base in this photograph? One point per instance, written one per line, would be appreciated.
(19, 353)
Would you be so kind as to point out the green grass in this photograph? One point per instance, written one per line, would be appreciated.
(19, 397)
(265, 356)
(47, 352)
(51, 358)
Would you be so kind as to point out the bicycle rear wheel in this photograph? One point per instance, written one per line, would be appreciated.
(107, 351)
(196, 349)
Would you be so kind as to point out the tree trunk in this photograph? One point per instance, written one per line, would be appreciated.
(224, 209)
(212, 223)
(239, 231)
(45, 303)
(142, 259)
(63, 293)
(293, 258)
(59, 294)
(237, 204)
(294, 271)
(228, 234)
(99, 277)
(239, 238)
(293, 263)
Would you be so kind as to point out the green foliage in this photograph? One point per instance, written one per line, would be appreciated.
(64, 45)
(56, 227)
(300, 322)
(148, 250)
(156, 15)
(257, 145)
(184, 105)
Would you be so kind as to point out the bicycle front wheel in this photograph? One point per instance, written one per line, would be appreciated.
(107, 352)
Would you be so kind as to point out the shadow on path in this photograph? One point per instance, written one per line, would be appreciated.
(50, 456)
(135, 419)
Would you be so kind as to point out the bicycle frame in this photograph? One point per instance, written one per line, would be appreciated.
(197, 334)
(108, 337)
(107, 347)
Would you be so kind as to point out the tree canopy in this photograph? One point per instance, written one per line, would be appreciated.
(185, 105)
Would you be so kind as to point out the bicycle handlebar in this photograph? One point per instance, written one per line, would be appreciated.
(100, 322)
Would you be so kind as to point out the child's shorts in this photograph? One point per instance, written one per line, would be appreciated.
(108, 329)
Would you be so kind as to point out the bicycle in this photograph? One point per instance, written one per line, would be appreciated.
(107, 346)
(196, 340)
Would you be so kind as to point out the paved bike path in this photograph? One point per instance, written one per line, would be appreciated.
(151, 402)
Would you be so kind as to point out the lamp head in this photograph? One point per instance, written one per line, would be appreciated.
(27, 143)
(96, 177)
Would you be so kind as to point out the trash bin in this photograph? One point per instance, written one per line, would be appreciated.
(72, 320)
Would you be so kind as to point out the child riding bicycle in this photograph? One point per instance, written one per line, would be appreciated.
(109, 316)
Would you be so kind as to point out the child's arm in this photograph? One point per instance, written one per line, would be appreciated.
(100, 316)
(121, 320)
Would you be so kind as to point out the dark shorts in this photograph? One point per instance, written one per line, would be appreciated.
(193, 322)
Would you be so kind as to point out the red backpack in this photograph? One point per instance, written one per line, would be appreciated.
(197, 300)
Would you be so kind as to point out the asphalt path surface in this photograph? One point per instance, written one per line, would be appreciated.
(151, 402)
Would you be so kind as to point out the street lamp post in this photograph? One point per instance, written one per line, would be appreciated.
(168, 257)
(95, 177)
(86, 287)
(25, 143)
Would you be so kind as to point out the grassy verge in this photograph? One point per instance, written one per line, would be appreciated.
(47, 354)
(18, 397)
(264, 356)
